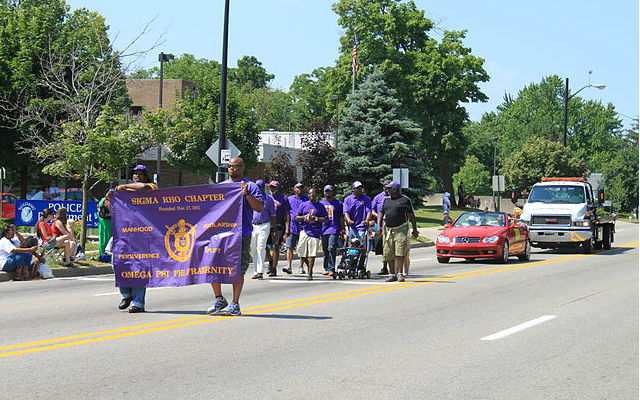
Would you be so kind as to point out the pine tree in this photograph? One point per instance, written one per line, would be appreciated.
(374, 138)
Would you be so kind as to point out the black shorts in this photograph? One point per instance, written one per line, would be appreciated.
(279, 229)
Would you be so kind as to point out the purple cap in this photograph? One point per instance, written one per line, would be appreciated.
(141, 167)
(274, 183)
(297, 185)
(393, 184)
(260, 182)
(356, 184)
(328, 187)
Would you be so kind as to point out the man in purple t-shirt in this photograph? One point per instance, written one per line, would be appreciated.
(376, 205)
(292, 231)
(262, 222)
(311, 215)
(357, 212)
(331, 229)
(282, 220)
(253, 201)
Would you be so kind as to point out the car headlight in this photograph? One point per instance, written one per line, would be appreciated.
(443, 239)
(581, 223)
(490, 239)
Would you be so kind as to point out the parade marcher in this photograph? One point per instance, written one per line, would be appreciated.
(104, 222)
(357, 212)
(311, 215)
(376, 206)
(446, 206)
(396, 213)
(135, 295)
(331, 229)
(292, 231)
(262, 223)
(282, 221)
(253, 201)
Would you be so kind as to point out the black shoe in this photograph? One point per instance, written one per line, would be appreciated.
(383, 271)
(287, 270)
(257, 276)
(124, 304)
(135, 309)
(272, 273)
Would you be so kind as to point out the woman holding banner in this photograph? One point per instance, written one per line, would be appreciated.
(135, 295)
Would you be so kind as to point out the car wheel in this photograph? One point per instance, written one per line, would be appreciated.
(526, 256)
(443, 260)
(587, 246)
(505, 253)
(608, 237)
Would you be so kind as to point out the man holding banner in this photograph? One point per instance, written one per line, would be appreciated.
(252, 201)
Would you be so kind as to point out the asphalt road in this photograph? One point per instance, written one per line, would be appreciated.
(443, 334)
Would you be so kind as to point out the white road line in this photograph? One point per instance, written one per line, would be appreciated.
(519, 328)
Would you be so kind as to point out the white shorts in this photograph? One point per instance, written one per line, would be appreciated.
(307, 245)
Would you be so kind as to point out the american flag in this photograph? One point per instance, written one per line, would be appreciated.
(354, 57)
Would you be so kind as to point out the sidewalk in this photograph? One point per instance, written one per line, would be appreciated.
(430, 233)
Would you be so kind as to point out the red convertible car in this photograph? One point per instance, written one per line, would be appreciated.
(482, 235)
(8, 205)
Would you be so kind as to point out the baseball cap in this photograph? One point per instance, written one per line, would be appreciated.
(260, 182)
(297, 185)
(393, 184)
(274, 183)
(356, 184)
(328, 187)
(141, 167)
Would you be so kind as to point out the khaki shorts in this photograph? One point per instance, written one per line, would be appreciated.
(395, 242)
(307, 245)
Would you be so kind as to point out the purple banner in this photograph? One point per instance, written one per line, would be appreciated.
(177, 236)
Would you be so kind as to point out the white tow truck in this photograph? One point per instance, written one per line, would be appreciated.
(563, 212)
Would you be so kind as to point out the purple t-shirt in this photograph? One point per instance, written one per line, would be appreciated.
(294, 204)
(268, 211)
(282, 207)
(378, 201)
(247, 211)
(357, 208)
(313, 229)
(334, 213)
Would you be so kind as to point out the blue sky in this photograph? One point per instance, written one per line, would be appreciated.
(521, 42)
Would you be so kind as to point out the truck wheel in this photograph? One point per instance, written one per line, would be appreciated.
(607, 238)
(443, 260)
(526, 256)
(587, 246)
(505, 253)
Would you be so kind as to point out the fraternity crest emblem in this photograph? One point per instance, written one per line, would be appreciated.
(179, 240)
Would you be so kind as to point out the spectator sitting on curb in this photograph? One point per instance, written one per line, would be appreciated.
(14, 258)
(63, 232)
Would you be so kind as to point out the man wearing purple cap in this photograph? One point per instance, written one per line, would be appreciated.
(252, 201)
(396, 213)
(262, 222)
(357, 212)
(311, 215)
(292, 233)
(135, 295)
(282, 221)
(331, 229)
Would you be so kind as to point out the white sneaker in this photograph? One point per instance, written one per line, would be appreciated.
(302, 271)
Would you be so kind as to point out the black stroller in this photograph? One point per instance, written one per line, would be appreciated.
(353, 261)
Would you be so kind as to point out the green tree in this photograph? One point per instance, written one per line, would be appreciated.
(374, 138)
(539, 158)
(311, 102)
(251, 74)
(621, 174)
(432, 77)
(476, 178)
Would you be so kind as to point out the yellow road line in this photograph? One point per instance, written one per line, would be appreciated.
(279, 306)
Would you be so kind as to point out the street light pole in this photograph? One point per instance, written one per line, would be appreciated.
(568, 97)
(220, 176)
(162, 57)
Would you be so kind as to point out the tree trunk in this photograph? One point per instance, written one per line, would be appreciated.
(83, 219)
(24, 180)
(446, 177)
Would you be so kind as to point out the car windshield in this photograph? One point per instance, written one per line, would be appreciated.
(481, 219)
(561, 194)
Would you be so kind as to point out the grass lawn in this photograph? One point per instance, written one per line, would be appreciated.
(430, 216)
